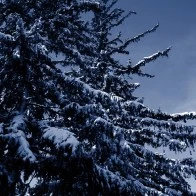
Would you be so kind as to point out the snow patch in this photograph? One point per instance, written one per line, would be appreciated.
(5, 37)
(61, 137)
(184, 113)
(17, 138)
(23, 150)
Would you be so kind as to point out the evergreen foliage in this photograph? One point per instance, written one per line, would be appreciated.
(81, 131)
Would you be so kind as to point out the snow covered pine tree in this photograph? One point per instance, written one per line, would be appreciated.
(80, 132)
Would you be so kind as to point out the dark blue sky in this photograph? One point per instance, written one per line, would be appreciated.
(174, 87)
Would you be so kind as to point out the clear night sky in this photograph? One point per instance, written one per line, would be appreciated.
(174, 87)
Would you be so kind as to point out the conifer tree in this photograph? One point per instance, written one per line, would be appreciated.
(82, 131)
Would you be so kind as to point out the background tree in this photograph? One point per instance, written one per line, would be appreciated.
(80, 132)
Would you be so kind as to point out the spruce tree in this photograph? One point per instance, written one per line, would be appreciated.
(82, 131)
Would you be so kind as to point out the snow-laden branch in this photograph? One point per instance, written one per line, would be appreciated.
(184, 116)
(6, 38)
(135, 69)
(23, 147)
(125, 184)
(16, 138)
(152, 58)
(85, 89)
(87, 5)
(178, 141)
(61, 138)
